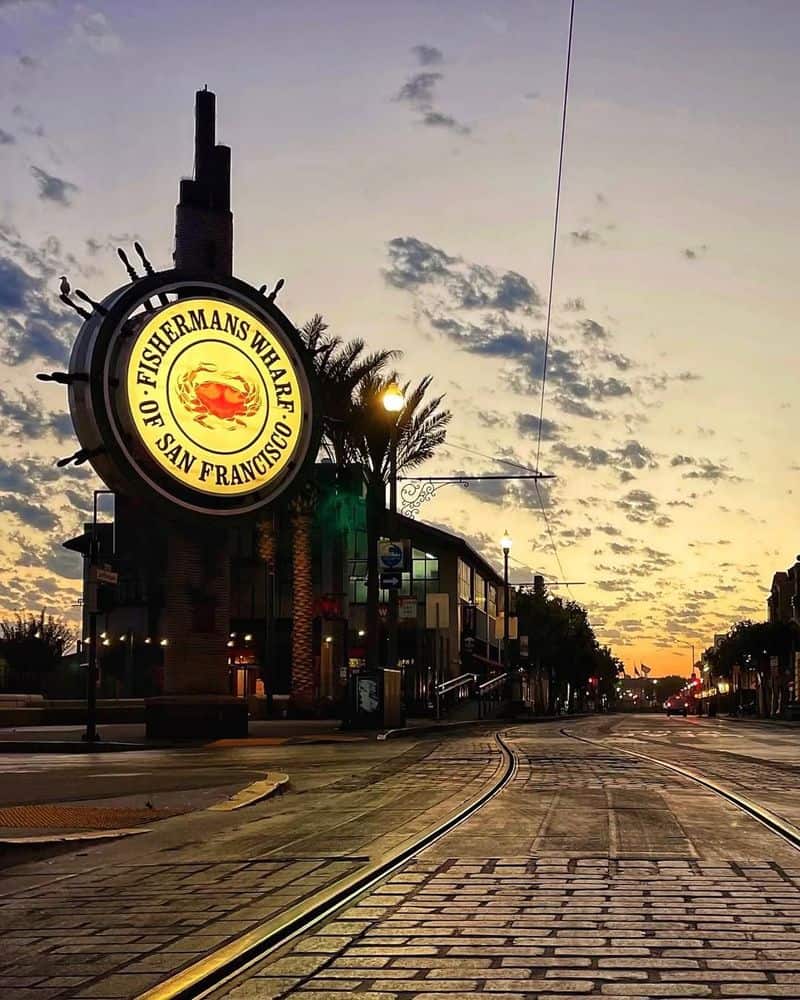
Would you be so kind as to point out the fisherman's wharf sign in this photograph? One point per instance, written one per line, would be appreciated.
(199, 394)
(215, 397)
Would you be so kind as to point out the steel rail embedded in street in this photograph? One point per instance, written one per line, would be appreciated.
(774, 823)
(205, 977)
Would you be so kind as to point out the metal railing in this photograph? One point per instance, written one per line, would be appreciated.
(455, 683)
(492, 690)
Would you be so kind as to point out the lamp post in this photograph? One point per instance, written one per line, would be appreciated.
(505, 544)
(393, 403)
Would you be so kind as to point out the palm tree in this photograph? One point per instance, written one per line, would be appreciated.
(304, 681)
(419, 428)
(340, 369)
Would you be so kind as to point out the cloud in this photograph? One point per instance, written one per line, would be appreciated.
(630, 455)
(6, 138)
(438, 119)
(52, 557)
(33, 324)
(583, 236)
(419, 92)
(52, 188)
(93, 28)
(428, 55)
(694, 253)
(575, 305)
(593, 331)
(415, 266)
(530, 425)
(34, 515)
(704, 468)
(641, 507)
(22, 417)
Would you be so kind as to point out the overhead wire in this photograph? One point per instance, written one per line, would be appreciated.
(552, 278)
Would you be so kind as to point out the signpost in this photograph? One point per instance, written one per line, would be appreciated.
(437, 617)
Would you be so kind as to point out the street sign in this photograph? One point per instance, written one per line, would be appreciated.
(407, 609)
(391, 581)
(103, 574)
(437, 611)
(394, 555)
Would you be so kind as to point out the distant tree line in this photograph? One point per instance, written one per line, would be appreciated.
(31, 647)
(565, 652)
(764, 653)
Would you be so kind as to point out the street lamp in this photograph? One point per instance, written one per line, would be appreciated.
(505, 545)
(393, 402)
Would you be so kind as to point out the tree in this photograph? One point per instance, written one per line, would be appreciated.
(751, 646)
(565, 650)
(340, 368)
(32, 646)
(419, 428)
(304, 682)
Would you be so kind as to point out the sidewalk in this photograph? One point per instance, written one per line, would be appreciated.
(132, 736)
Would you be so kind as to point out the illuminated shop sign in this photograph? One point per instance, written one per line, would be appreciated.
(215, 397)
(203, 403)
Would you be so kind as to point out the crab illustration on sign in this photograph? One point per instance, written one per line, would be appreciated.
(218, 398)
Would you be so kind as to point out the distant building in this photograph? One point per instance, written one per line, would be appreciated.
(783, 603)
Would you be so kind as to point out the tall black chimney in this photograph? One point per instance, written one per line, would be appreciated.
(203, 217)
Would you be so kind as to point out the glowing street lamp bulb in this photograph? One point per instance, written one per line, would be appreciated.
(230, 643)
(328, 638)
(148, 640)
(505, 544)
(393, 399)
(248, 637)
(361, 632)
(163, 642)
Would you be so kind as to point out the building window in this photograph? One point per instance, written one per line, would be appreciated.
(464, 581)
(479, 586)
(491, 600)
(425, 574)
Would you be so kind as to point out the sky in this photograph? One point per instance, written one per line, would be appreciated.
(396, 163)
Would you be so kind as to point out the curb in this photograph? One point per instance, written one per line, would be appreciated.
(274, 782)
(67, 838)
(74, 746)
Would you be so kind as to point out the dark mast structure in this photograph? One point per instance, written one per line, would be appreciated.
(203, 217)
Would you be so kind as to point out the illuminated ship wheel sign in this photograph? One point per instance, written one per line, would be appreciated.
(194, 393)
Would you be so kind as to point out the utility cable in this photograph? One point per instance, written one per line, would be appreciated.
(555, 225)
(552, 275)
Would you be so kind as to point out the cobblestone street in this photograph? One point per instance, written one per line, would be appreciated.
(593, 873)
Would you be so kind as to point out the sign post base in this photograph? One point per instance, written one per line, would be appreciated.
(195, 717)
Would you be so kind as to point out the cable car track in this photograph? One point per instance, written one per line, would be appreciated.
(788, 833)
(220, 967)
